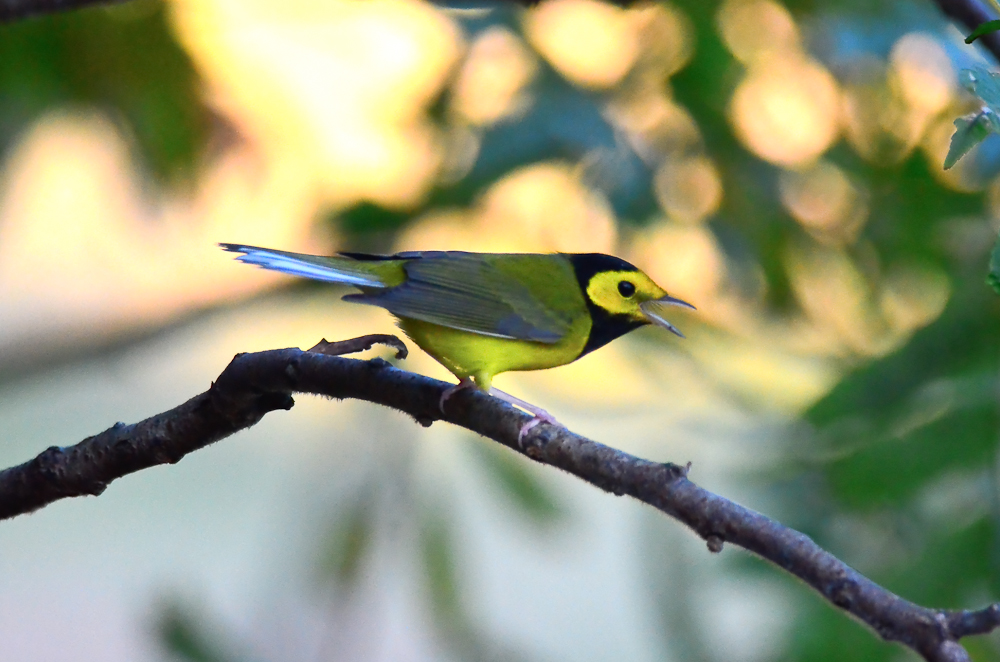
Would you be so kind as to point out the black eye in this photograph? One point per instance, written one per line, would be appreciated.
(626, 289)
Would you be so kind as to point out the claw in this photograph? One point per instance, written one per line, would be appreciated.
(539, 414)
(465, 383)
(534, 422)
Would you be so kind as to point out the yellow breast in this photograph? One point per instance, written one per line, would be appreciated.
(480, 357)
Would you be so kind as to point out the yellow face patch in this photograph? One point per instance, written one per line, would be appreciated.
(621, 292)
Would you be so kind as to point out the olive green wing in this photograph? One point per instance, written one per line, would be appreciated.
(483, 294)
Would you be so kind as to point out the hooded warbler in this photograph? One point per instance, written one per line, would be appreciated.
(480, 314)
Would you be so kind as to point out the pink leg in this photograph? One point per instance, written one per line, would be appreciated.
(540, 415)
(466, 382)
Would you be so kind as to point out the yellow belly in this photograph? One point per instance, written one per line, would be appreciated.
(480, 357)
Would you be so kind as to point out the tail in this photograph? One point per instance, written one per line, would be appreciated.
(330, 269)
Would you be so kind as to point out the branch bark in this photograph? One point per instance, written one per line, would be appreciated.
(14, 10)
(971, 14)
(255, 384)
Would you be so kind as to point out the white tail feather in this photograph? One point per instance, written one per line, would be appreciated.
(289, 264)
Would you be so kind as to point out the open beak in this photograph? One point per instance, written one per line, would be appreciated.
(656, 309)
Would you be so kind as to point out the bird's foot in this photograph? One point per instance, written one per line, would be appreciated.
(539, 415)
(465, 383)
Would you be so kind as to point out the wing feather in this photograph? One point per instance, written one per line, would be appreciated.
(464, 291)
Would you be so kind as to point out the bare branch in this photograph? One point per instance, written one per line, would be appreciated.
(255, 384)
(352, 345)
(13, 10)
(971, 14)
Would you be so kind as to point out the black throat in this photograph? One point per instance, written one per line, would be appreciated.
(605, 326)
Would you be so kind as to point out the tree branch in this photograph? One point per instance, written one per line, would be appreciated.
(255, 384)
(13, 10)
(971, 14)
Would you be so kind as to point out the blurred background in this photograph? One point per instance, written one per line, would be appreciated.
(778, 165)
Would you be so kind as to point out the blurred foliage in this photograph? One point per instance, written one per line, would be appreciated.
(994, 276)
(517, 479)
(452, 614)
(349, 543)
(438, 555)
(121, 59)
(182, 633)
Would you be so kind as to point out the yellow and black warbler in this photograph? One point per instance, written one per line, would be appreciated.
(480, 314)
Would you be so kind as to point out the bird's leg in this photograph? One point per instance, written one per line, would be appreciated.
(540, 415)
(464, 383)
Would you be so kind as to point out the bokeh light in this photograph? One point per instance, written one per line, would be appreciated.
(591, 43)
(753, 29)
(340, 87)
(689, 190)
(542, 208)
(492, 80)
(825, 201)
(923, 71)
(785, 110)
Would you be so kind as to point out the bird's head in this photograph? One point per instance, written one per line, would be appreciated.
(623, 292)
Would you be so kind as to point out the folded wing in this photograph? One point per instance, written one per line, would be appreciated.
(465, 291)
(458, 290)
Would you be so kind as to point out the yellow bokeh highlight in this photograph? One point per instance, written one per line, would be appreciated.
(891, 107)
(490, 85)
(755, 28)
(923, 72)
(651, 121)
(913, 296)
(665, 37)
(859, 316)
(537, 209)
(689, 190)
(837, 298)
(591, 43)
(341, 85)
(786, 110)
(765, 374)
(824, 201)
(83, 249)
(685, 260)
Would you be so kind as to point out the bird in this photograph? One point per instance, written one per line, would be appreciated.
(482, 314)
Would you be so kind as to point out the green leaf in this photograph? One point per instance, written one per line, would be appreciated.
(969, 132)
(515, 477)
(984, 84)
(993, 278)
(983, 28)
